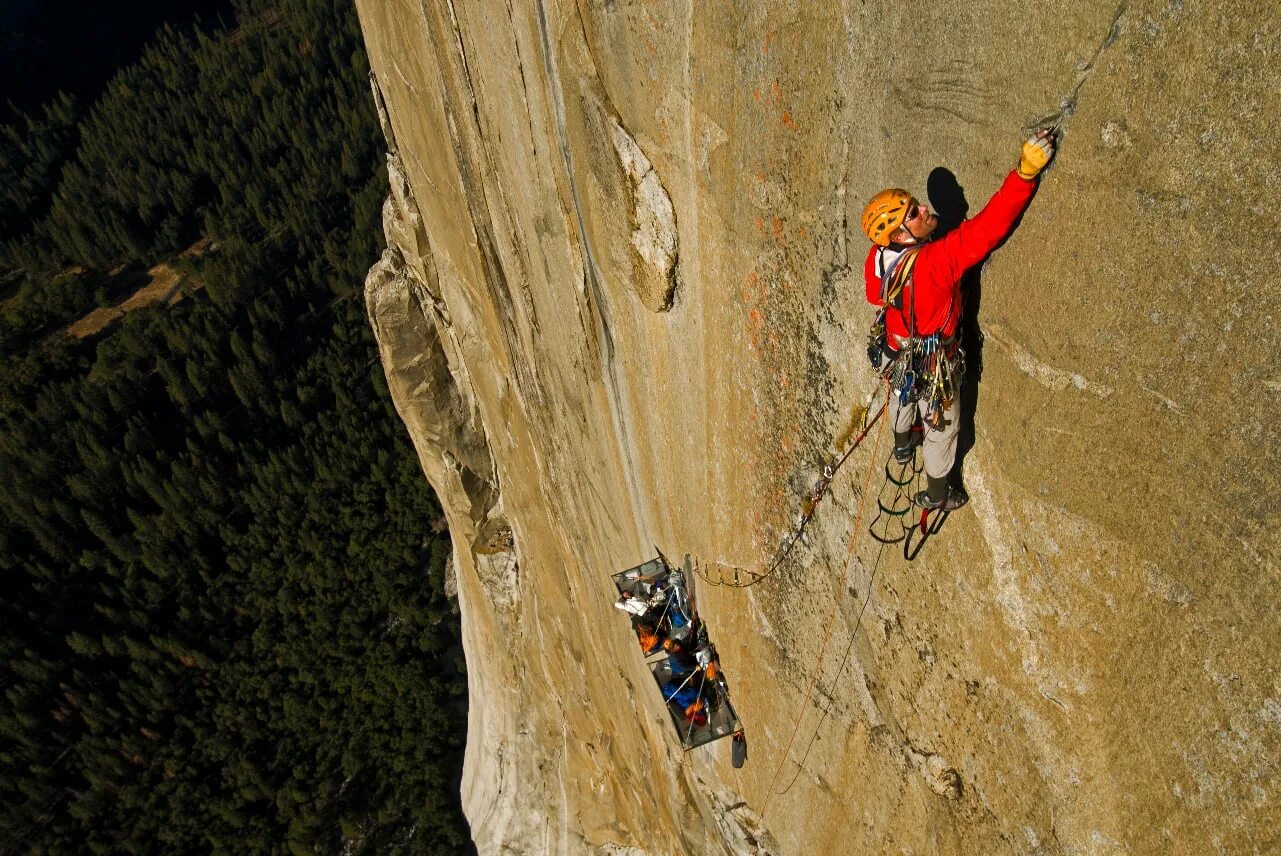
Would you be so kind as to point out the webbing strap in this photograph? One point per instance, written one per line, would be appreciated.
(892, 290)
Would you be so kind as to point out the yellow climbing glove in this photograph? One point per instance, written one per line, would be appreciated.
(1036, 153)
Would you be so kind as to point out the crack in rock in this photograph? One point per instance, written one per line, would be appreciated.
(1067, 104)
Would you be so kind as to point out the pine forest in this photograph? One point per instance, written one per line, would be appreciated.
(224, 623)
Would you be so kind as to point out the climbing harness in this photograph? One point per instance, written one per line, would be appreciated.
(928, 369)
(921, 368)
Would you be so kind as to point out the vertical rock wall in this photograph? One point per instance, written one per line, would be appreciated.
(621, 307)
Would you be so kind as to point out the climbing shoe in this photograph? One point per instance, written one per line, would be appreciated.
(905, 444)
(955, 498)
(938, 494)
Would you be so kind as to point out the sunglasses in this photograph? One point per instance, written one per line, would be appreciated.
(913, 211)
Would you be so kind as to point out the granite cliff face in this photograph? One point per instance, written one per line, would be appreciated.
(621, 307)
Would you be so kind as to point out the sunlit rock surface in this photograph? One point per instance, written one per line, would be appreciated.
(621, 308)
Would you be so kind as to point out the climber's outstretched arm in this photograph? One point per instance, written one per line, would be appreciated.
(970, 242)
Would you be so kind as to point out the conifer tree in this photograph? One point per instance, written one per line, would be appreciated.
(221, 628)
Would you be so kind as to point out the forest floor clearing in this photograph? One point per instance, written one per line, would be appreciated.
(163, 283)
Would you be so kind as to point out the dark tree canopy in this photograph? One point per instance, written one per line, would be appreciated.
(224, 625)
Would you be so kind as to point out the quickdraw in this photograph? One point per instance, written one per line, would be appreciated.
(924, 371)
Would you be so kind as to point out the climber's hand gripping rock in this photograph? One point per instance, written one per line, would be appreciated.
(1036, 153)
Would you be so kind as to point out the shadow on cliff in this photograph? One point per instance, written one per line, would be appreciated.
(947, 198)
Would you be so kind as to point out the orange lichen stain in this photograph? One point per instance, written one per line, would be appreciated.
(760, 176)
(756, 320)
(778, 227)
(756, 93)
(802, 231)
(777, 90)
(760, 224)
(651, 47)
(788, 121)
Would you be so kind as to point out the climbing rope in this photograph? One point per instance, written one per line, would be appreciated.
(810, 505)
(827, 633)
(858, 622)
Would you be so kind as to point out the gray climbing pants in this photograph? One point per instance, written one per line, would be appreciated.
(938, 446)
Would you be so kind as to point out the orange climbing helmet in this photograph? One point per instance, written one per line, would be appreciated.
(884, 214)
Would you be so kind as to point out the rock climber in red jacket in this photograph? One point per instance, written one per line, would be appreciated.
(918, 282)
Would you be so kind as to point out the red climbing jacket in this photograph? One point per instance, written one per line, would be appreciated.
(940, 264)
